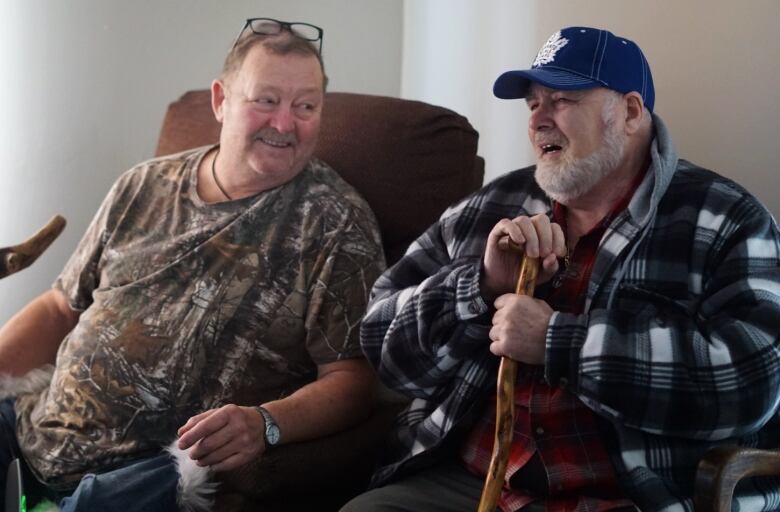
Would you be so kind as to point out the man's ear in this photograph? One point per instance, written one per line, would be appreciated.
(217, 99)
(635, 109)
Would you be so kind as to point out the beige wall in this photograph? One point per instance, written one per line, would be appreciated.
(716, 66)
(86, 82)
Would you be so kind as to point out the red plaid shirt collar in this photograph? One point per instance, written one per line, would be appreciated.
(557, 453)
(569, 287)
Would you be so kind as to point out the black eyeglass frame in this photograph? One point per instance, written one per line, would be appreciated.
(283, 25)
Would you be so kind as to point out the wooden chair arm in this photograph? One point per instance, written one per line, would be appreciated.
(721, 468)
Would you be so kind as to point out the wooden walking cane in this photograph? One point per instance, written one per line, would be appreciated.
(505, 402)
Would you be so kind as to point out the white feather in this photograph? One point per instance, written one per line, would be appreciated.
(195, 492)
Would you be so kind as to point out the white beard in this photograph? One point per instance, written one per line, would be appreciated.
(573, 177)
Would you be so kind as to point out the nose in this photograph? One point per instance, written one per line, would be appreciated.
(282, 119)
(540, 118)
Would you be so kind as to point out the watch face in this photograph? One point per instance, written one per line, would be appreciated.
(272, 433)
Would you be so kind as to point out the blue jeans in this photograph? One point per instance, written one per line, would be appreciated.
(147, 485)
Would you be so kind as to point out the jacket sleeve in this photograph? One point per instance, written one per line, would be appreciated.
(705, 368)
(425, 316)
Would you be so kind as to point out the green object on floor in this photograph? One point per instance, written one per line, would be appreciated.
(43, 506)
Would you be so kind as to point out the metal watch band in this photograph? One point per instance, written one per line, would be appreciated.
(271, 433)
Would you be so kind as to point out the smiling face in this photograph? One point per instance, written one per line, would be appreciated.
(577, 139)
(270, 111)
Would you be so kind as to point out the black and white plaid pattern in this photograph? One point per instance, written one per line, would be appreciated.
(677, 348)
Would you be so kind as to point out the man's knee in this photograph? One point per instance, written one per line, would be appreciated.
(444, 487)
(376, 500)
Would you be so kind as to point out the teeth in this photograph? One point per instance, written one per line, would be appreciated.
(275, 143)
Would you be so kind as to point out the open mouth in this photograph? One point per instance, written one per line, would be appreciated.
(275, 143)
(549, 148)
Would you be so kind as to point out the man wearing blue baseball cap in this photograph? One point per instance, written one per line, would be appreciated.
(653, 333)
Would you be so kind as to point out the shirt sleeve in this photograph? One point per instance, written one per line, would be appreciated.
(426, 315)
(703, 368)
(81, 274)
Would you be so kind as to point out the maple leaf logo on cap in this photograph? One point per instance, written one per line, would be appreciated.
(550, 48)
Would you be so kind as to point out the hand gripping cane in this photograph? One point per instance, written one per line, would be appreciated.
(505, 402)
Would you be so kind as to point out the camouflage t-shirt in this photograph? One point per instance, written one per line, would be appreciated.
(188, 306)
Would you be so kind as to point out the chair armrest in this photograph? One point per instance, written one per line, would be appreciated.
(721, 468)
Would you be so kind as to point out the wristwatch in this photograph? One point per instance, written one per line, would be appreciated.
(272, 434)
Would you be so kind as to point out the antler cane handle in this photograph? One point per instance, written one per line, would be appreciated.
(14, 259)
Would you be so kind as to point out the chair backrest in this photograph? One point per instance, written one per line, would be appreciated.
(409, 159)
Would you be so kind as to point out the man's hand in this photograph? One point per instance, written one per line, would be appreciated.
(536, 236)
(520, 328)
(231, 436)
(224, 438)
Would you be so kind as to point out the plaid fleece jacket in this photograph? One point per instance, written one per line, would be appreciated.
(678, 348)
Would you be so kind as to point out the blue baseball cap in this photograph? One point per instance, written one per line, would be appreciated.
(581, 58)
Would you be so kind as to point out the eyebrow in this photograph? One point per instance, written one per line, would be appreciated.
(269, 87)
(534, 92)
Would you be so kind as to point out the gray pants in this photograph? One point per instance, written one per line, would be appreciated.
(446, 487)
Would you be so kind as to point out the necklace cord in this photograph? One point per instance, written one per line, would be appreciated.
(216, 180)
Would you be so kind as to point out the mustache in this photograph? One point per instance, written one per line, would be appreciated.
(540, 139)
(274, 135)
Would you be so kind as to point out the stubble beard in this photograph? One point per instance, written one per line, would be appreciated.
(572, 177)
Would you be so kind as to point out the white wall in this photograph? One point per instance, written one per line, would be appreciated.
(85, 84)
(453, 51)
(716, 66)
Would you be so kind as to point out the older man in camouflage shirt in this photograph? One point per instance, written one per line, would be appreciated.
(216, 297)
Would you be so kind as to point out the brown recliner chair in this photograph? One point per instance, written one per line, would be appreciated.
(409, 160)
